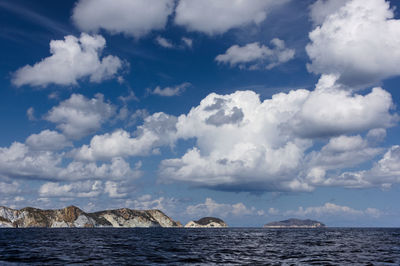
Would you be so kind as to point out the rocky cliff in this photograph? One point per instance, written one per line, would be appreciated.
(295, 223)
(74, 217)
(207, 222)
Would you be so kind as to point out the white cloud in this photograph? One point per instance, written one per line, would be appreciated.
(78, 116)
(72, 59)
(157, 130)
(211, 207)
(331, 209)
(321, 9)
(187, 41)
(376, 135)
(131, 17)
(359, 28)
(344, 151)
(164, 42)
(333, 111)
(384, 173)
(118, 169)
(47, 140)
(245, 144)
(20, 161)
(218, 16)
(9, 187)
(30, 113)
(113, 190)
(255, 56)
(82, 189)
(339, 153)
(170, 91)
(147, 202)
(130, 97)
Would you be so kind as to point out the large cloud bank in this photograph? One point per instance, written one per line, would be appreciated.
(356, 39)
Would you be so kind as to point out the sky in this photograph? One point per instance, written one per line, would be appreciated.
(251, 111)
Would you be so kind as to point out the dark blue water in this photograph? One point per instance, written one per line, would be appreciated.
(331, 246)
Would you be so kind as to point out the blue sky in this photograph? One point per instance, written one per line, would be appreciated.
(252, 111)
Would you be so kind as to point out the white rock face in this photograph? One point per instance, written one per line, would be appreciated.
(84, 221)
(210, 225)
(59, 224)
(118, 221)
(162, 219)
(207, 222)
(74, 217)
(9, 214)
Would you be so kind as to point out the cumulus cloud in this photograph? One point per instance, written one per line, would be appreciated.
(157, 130)
(384, 173)
(170, 91)
(358, 41)
(211, 208)
(21, 161)
(148, 202)
(82, 189)
(321, 9)
(245, 144)
(47, 140)
(79, 116)
(343, 151)
(113, 190)
(216, 17)
(257, 56)
(331, 209)
(330, 110)
(72, 59)
(131, 17)
(339, 153)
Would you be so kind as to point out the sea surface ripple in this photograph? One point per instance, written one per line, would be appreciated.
(177, 246)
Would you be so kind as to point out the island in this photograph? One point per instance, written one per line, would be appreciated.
(295, 223)
(72, 216)
(207, 222)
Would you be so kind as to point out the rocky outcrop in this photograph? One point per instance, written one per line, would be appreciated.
(74, 217)
(207, 222)
(295, 223)
(134, 218)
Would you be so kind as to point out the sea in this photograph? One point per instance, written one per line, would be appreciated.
(181, 246)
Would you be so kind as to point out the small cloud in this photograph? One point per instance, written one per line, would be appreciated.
(164, 42)
(30, 113)
(254, 56)
(331, 209)
(211, 207)
(170, 91)
(130, 97)
(113, 190)
(187, 41)
(54, 96)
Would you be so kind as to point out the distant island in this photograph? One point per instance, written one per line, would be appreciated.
(295, 223)
(207, 222)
